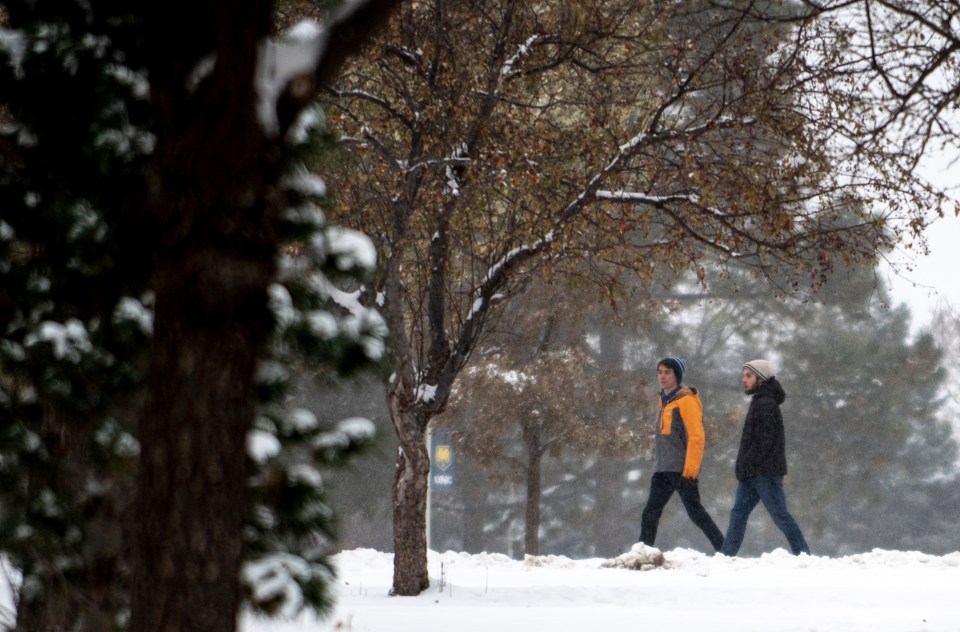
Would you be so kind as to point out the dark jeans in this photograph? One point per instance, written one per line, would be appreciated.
(768, 489)
(662, 486)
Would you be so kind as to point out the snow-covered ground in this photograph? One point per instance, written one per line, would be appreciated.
(880, 591)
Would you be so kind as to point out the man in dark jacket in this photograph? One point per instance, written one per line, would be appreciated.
(762, 461)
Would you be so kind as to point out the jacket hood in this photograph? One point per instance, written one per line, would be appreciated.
(771, 388)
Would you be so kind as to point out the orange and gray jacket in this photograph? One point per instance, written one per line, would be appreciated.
(680, 436)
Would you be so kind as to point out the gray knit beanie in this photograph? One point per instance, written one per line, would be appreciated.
(762, 368)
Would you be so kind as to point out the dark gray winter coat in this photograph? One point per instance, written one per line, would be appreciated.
(763, 444)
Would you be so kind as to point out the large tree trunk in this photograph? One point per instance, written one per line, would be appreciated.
(211, 206)
(193, 433)
(410, 575)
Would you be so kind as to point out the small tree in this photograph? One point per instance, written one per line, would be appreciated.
(490, 138)
(536, 385)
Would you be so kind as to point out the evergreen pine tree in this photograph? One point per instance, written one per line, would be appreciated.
(78, 263)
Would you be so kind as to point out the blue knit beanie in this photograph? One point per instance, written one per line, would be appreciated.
(678, 364)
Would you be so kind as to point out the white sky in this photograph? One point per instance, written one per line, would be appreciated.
(879, 591)
(934, 277)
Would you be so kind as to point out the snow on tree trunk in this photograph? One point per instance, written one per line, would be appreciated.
(410, 575)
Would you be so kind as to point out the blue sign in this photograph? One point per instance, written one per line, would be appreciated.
(442, 467)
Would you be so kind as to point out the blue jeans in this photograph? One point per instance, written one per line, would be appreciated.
(768, 489)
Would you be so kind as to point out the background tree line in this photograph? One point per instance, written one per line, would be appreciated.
(868, 445)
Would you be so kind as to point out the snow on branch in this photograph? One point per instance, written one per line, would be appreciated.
(281, 62)
(644, 198)
(494, 278)
(68, 341)
(631, 148)
(453, 179)
(363, 95)
(14, 44)
(362, 324)
(518, 252)
(508, 65)
(426, 393)
(308, 54)
(633, 142)
(277, 577)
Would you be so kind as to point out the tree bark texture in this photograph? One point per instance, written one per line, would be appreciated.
(210, 205)
(410, 488)
(192, 475)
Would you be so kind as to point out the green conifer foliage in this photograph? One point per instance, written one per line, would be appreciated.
(75, 314)
(77, 255)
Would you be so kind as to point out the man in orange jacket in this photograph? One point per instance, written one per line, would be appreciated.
(679, 444)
